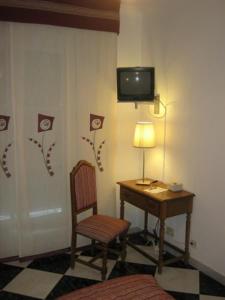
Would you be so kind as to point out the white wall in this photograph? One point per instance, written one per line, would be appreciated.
(129, 54)
(185, 41)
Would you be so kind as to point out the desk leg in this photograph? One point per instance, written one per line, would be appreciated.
(146, 224)
(161, 244)
(122, 209)
(187, 237)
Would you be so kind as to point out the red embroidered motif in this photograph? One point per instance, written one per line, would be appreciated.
(96, 122)
(45, 123)
(4, 123)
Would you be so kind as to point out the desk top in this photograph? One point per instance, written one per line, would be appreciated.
(162, 196)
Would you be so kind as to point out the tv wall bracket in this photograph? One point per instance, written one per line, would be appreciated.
(156, 103)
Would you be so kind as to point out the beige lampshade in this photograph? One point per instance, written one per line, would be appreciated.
(144, 136)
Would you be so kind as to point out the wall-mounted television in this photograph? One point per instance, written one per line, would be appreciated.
(135, 84)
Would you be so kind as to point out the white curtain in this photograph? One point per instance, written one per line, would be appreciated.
(51, 80)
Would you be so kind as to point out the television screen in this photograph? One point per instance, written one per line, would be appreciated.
(135, 84)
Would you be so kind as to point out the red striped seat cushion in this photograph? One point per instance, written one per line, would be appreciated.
(102, 228)
(133, 287)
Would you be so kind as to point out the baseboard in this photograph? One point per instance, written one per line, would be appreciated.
(208, 271)
(203, 268)
(46, 254)
(31, 257)
(134, 229)
(8, 259)
(197, 264)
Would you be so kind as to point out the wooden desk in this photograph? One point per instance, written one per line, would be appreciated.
(162, 205)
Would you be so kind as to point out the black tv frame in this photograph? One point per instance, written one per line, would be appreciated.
(136, 98)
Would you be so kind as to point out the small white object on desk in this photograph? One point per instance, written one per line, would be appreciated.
(175, 187)
(156, 190)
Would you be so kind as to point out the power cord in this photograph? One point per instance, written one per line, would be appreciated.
(160, 111)
(155, 232)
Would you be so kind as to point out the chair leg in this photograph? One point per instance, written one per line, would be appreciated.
(124, 247)
(73, 250)
(104, 262)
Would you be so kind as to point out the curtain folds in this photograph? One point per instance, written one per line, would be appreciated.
(51, 80)
(101, 15)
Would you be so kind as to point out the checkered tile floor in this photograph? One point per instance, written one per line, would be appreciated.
(49, 278)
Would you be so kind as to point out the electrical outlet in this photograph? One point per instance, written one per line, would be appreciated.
(169, 231)
(193, 244)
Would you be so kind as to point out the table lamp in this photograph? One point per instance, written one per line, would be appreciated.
(144, 137)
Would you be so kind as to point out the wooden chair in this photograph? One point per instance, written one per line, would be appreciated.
(99, 228)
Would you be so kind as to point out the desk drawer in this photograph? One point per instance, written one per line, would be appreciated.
(140, 201)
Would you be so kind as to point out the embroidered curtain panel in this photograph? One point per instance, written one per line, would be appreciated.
(101, 15)
(51, 80)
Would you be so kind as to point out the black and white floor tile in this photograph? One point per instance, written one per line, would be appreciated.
(49, 278)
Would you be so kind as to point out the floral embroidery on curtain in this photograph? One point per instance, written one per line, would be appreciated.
(96, 123)
(4, 123)
(46, 73)
(45, 123)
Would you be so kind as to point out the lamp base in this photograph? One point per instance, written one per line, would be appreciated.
(143, 182)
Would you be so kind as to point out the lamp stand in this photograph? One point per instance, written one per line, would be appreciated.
(143, 181)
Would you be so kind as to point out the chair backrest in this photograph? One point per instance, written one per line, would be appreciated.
(83, 187)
